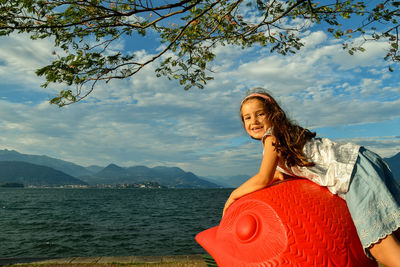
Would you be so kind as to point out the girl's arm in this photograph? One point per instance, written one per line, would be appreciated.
(263, 178)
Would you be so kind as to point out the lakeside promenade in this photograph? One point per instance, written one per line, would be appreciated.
(144, 261)
(154, 261)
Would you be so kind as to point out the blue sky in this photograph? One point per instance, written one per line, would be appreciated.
(152, 121)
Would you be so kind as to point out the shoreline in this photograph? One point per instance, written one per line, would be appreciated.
(195, 260)
(181, 260)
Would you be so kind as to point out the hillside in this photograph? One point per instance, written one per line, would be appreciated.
(61, 165)
(172, 177)
(228, 181)
(34, 175)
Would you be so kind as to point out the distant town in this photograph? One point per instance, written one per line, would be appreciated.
(147, 185)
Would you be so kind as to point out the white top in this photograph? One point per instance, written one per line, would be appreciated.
(334, 163)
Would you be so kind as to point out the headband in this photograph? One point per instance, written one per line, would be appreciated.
(257, 94)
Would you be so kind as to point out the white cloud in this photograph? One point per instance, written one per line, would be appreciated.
(370, 86)
(21, 56)
(314, 40)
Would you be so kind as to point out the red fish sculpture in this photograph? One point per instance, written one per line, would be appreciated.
(292, 223)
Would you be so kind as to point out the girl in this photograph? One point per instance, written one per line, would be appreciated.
(356, 174)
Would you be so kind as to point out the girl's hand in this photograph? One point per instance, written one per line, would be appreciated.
(278, 176)
(263, 178)
(227, 204)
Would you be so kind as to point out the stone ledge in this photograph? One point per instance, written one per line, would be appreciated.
(105, 259)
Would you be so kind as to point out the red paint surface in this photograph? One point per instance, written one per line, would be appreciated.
(294, 223)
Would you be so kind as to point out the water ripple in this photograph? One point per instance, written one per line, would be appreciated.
(105, 222)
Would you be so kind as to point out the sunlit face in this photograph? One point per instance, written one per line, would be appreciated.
(255, 118)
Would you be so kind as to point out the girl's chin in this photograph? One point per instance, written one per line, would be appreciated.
(256, 137)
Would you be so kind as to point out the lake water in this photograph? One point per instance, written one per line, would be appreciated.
(106, 222)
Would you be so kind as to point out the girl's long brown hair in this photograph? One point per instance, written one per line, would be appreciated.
(291, 137)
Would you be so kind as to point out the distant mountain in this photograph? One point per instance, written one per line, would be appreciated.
(110, 175)
(167, 176)
(394, 164)
(228, 181)
(93, 169)
(34, 175)
(113, 174)
(61, 165)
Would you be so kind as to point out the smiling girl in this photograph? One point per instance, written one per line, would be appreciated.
(354, 173)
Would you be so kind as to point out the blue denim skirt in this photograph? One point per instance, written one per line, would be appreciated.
(373, 199)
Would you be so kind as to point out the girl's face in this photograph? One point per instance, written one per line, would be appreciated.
(255, 118)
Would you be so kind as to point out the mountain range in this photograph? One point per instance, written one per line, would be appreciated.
(34, 175)
(61, 165)
(167, 176)
(35, 170)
